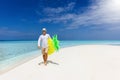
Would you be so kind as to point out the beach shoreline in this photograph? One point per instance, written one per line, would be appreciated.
(21, 61)
(83, 62)
(6, 68)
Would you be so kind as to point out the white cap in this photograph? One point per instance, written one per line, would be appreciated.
(44, 29)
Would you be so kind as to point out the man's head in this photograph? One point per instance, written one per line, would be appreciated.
(44, 31)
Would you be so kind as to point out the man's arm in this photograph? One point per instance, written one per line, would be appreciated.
(39, 40)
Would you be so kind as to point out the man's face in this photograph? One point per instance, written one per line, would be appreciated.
(44, 32)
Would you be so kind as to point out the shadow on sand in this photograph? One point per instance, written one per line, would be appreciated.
(48, 62)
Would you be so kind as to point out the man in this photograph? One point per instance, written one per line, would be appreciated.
(43, 41)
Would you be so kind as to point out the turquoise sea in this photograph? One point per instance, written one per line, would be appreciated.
(12, 52)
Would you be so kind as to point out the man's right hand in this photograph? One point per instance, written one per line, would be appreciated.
(39, 47)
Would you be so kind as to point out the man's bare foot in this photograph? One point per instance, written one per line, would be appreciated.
(45, 63)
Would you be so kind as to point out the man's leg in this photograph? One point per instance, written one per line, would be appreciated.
(46, 55)
(43, 53)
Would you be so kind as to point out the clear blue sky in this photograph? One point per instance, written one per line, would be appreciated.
(70, 19)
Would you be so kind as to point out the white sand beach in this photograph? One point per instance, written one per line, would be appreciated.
(84, 62)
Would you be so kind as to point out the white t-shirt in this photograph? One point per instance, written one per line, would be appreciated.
(43, 40)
